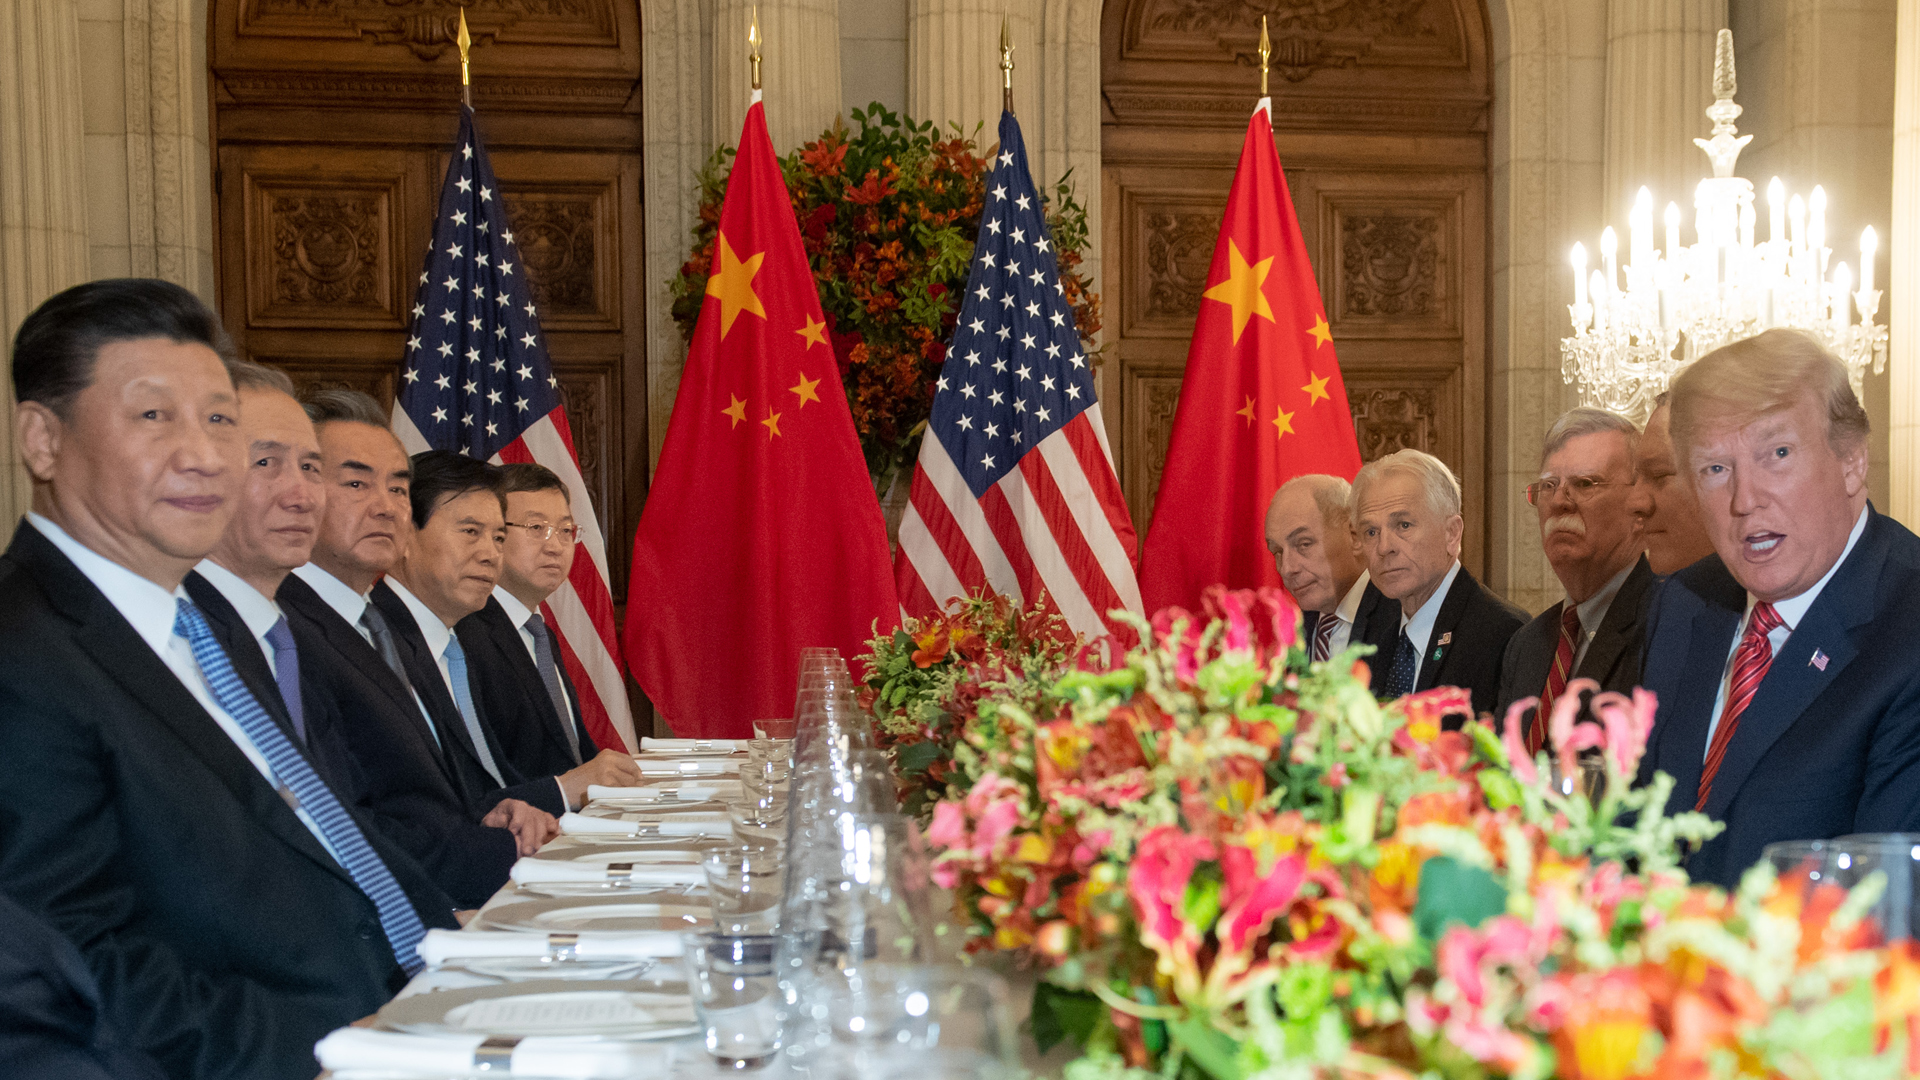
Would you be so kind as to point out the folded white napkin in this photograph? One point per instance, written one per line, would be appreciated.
(690, 825)
(389, 1052)
(534, 871)
(440, 946)
(731, 746)
(687, 766)
(667, 792)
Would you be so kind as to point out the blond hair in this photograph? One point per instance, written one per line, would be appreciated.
(1766, 373)
(1437, 481)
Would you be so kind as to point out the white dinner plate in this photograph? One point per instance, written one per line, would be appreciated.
(640, 810)
(676, 850)
(626, 1009)
(599, 911)
(524, 968)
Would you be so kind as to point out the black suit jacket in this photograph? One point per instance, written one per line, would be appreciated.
(1830, 743)
(224, 938)
(1469, 639)
(52, 1023)
(1612, 658)
(515, 698)
(1373, 603)
(424, 671)
(398, 775)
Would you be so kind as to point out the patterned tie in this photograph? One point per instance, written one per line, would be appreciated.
(286, 673)
(463, 697)
(397, 916)
(1323, 636)
(550, 674)
(1557, 676)
(1400, 675)
(1750, 663)
(375, 624)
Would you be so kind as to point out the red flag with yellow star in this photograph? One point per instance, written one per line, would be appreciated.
(761, 534)
(1262, 401)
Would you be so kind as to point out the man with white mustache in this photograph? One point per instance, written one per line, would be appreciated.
(1593, 543)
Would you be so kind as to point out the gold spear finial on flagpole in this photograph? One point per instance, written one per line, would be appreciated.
(753, 44)
(1006, 64)
(1266, 50)
(465, 41)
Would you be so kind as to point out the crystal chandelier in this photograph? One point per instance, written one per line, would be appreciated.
(1631, 336)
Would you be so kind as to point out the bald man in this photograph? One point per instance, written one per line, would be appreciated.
(1310, 533)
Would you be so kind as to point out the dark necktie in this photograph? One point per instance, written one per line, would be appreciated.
(1323, 636)
(463, 699)
(375, 624)
(1750, 663)
(550, 674)
(397, 916)
(286, 673)
(1557, 676)
(1400, 675)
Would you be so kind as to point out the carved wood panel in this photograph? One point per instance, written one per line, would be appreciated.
(322, 250)
(587, 392)
(375, 381)
(568, 237)
(1150, 397)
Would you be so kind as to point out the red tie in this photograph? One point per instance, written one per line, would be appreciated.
(1323, 636)
(1750, 663)
(1557, 677)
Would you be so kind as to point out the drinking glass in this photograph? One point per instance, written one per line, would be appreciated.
(1898, 854)
(760, 819)
(918, 1021)
(736, 995)
(774, 728)
(744, 884)
(1811, 867)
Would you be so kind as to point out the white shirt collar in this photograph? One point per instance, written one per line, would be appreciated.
(150, 608)
(1793, 609)
(338, 594)
(436, 632)
(1594, 608)
(1350, 603)
(1420, 627)
(517, 612)
(258, 611)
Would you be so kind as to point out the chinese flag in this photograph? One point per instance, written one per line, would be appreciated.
(1262, 400)
(761, 534)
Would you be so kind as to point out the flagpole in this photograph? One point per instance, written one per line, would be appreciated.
(753, 49)
(1266, 51)
(1006, 65)
(465, 41)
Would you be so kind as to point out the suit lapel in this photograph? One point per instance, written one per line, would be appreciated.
(1682, 726)
(427, 680)
(1445, 624)
(1616, 629)
(1535, 664)
(231, 631)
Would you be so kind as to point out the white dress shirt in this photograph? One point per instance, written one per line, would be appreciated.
(1343, 616)
(1791, 611)
(1419, 628)
(259, 612)
(520, 614)
(151, 610)
(1593, 612)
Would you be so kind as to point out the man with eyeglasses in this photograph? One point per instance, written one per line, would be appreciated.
(524, 685)
(1593, 542)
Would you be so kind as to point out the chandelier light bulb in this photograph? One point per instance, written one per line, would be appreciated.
(1610, 257)
(1869, 247)
(1579, 260)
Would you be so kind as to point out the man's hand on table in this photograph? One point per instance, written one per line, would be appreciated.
(608, 768)
(531, 827)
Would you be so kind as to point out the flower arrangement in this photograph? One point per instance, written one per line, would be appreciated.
(1229, 862)
(888, 212)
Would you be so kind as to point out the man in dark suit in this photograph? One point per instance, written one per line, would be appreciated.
(1310, 533)
(400, 775)
(231, 910)
(525, 690)
(53, 1025)
(1662, 499)
(1593, 545)
(1451, 632)
(1784, 664)
(446, 573)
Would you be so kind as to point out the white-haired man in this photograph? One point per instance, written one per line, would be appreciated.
(1784, 663)
(1593, 542)
(1310, 533)
(1451, 631)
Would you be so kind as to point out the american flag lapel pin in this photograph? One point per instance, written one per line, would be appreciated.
(1819, 660)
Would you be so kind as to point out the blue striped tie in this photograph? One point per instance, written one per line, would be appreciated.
(397, 916)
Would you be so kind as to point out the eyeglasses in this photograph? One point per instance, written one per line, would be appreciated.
(1579, 488)
(541, 531)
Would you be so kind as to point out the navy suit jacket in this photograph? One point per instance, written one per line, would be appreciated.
(1374, 609)
(1824, 748)
(398, 774)
(516, 702)
(224, 938)
(1469, 638)
(1613, 656)
(52, 1023)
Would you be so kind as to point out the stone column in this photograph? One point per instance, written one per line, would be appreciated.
(1659, 83)
(800, 68)
(43, 228)
(1902, 303)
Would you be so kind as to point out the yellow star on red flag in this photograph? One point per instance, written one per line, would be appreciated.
(771, 423)
(805, 390)
(1241, 289)
(1316, 388)
(737, 410)
(814, 331)
(1246, 411)
(1283, 421)
(733, 284)
(1321, 332)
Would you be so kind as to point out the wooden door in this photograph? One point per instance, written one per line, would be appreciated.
(1380, 115)
(332, 123)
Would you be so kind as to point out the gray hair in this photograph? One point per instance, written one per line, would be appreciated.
(353, 406)
(1585, 420)
(1437, 481)
(248, 375)
(1331, 495)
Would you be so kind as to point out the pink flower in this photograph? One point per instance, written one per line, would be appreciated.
(1250, 900)
(1561, 734)
(1090, 848)
(996, 825)
(1337, 776)
(1177, 629)
(949, 827)
(1163, 863)
(1514, 740)
(1283, 617)
(1628, 724)
(1235, 606)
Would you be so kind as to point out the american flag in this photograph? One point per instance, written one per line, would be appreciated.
(1015, 490)
(477, 380)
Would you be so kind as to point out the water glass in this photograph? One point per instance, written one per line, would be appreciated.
(921, 1022)
(779, 728)
(1814, 866)
(760, 819)
(1898, 854)
(736, 995)
(744, 885)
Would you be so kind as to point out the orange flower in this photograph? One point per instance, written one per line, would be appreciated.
(1608, 1017)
